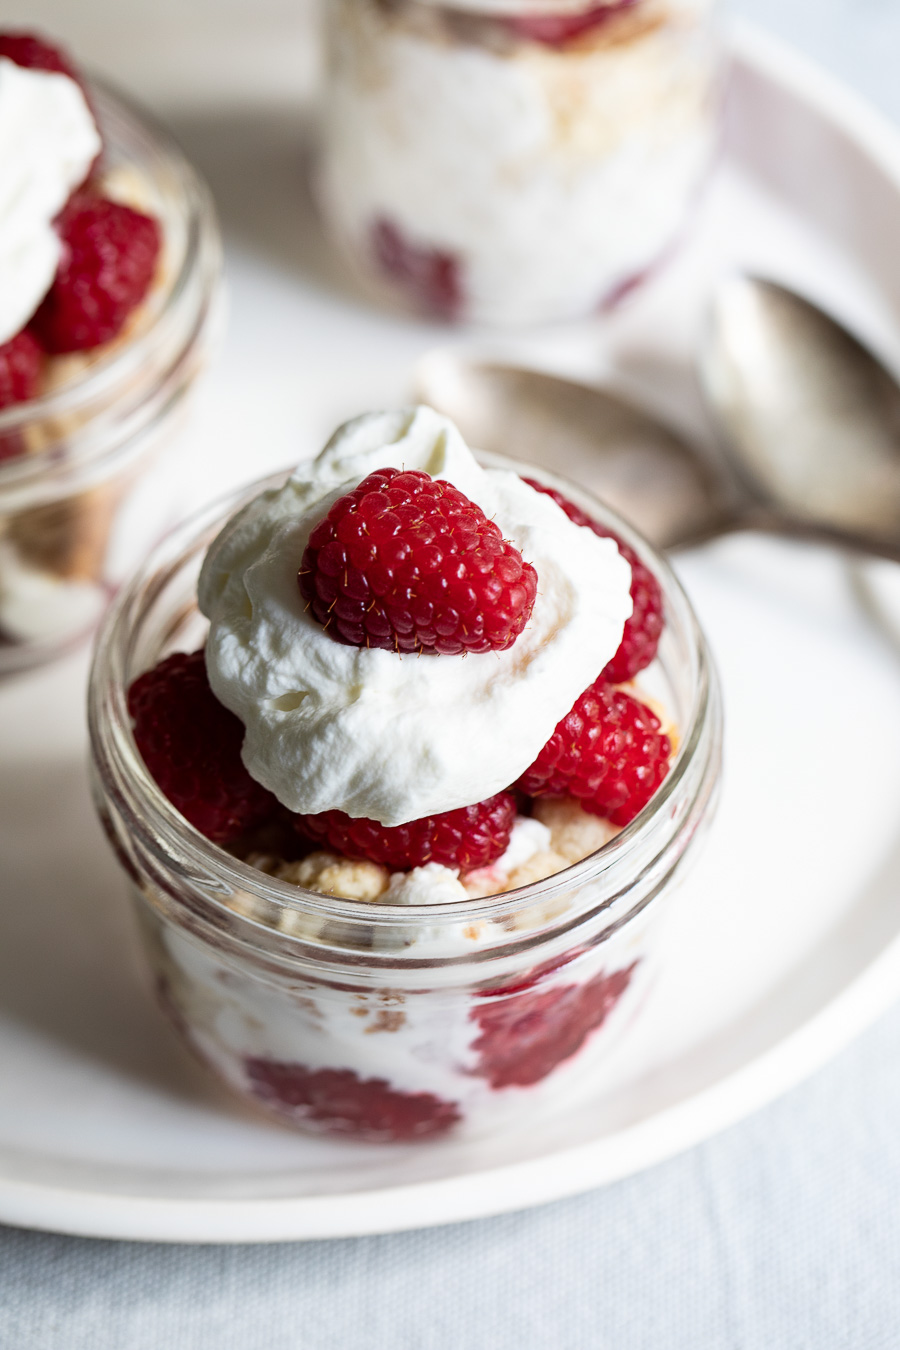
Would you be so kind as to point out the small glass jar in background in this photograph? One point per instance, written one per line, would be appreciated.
(515, 161)
(71, 528)
(382, 1021)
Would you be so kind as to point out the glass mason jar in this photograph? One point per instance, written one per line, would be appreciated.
(387, 1021)
(70, 528)
(515, 161)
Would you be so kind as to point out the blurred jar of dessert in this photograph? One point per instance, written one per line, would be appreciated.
(109, 261)
(515, 161)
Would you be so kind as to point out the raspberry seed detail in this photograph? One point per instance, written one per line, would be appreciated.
(643, 630)
(108, 261)
(608, 752)
(466, 838)
(191, 744)
(408, 563)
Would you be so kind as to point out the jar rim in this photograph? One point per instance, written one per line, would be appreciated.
(97, 385)
(179, 848)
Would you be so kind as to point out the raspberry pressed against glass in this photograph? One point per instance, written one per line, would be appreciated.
(430, 277)
(108, 260)
(467, 838)
(191, 745)
(608, 751)
(524, 1036)
(640, 639)
(408, 563)
(343, 1103)
(555, 30)
(21, 359)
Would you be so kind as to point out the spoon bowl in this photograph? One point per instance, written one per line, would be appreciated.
(645, 471)
(809, 419)
(808, 425)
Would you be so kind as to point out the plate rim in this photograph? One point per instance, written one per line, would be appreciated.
(466, 1197)
(564, 1172)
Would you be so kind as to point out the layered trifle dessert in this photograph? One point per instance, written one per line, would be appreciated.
(506, 161)
(401, 827)
(103, 290)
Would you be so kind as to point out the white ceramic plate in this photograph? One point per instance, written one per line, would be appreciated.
(790, 939)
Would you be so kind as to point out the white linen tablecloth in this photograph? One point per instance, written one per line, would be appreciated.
(782, 1234)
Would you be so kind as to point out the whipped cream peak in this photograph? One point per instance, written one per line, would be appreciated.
(405, 438)
(332, 727)
(48, 141)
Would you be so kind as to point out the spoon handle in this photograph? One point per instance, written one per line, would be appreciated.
(767, 521)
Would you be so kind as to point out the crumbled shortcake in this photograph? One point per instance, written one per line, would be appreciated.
(332, 875)
(574, 832)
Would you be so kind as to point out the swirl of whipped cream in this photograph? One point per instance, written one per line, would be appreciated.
(48, 141)
(370, 732)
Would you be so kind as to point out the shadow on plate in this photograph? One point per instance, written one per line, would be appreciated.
(70, 967)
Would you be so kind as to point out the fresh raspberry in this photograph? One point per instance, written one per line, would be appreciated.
(21, 359)
(555, 30)
(643, 630)
(406, 562)
(608, 751)
(108, 259)
(340, 1101)
(25, 49)
(467, 838)
(192, 746)
(430, 277)
(524, 1035)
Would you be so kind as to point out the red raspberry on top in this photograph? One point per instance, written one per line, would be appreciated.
(640, 639)
(108, 259)
(608, 751)
(408, 563)
(467, 838)
(192, 746)
(21, 359)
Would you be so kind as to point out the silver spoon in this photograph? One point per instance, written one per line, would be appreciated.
(643, 470)
(808, 420)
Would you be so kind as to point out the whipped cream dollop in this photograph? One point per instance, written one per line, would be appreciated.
(395, 737)
(48, 141)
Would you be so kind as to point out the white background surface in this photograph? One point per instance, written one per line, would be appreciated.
(783, 1232)
(191, 53)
